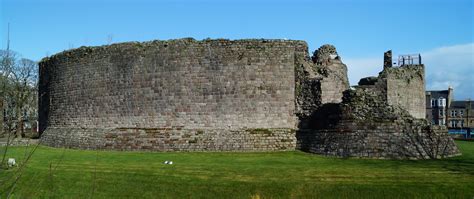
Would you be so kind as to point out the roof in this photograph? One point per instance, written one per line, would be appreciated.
(438, 94)
(462, 104)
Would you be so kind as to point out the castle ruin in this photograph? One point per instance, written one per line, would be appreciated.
(233, 95)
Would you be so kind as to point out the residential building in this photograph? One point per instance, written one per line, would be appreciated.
(458, 116)
(461, 118)
(437, 104)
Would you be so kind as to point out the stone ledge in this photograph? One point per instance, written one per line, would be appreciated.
(19, 142)
(155, 139)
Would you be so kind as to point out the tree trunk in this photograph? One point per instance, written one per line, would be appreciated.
(19, 128)
(18, 131)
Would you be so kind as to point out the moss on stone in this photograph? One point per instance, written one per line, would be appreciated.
(260, 131)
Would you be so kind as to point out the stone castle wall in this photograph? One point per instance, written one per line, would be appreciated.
(182, 83)
(319, 81)
(334, 83)
(334, 79)
(396, 140)
(162, 139)
(406, 88)
(364, 124)
(185, 84)
(223, 95)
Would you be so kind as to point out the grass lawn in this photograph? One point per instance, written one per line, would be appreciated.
(64, 173)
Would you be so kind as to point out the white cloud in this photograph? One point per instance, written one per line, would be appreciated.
(360, 68)
(451, 66)
(444, 67)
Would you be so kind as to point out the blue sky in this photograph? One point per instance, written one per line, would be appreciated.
(442, 30)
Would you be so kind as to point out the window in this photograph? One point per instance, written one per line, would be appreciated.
(452, 123)
(440, 102)
(442, 122)
(433, 102)
(453, 113)
(441, 113)
(462, 123)
(461, 113)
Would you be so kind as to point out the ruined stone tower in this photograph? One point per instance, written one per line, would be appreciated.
(333, 73)
(406, 83)
(382, 117)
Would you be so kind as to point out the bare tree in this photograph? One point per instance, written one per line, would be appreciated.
(18, 88)
(6, 64)
(23, 92)
(7, 60)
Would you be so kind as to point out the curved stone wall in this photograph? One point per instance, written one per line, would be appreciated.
(175, 84)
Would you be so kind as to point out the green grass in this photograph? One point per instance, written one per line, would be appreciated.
(60, 173)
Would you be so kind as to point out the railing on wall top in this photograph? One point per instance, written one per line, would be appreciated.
(412, 59)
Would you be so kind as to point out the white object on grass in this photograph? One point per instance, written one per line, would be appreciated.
(11, 162)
